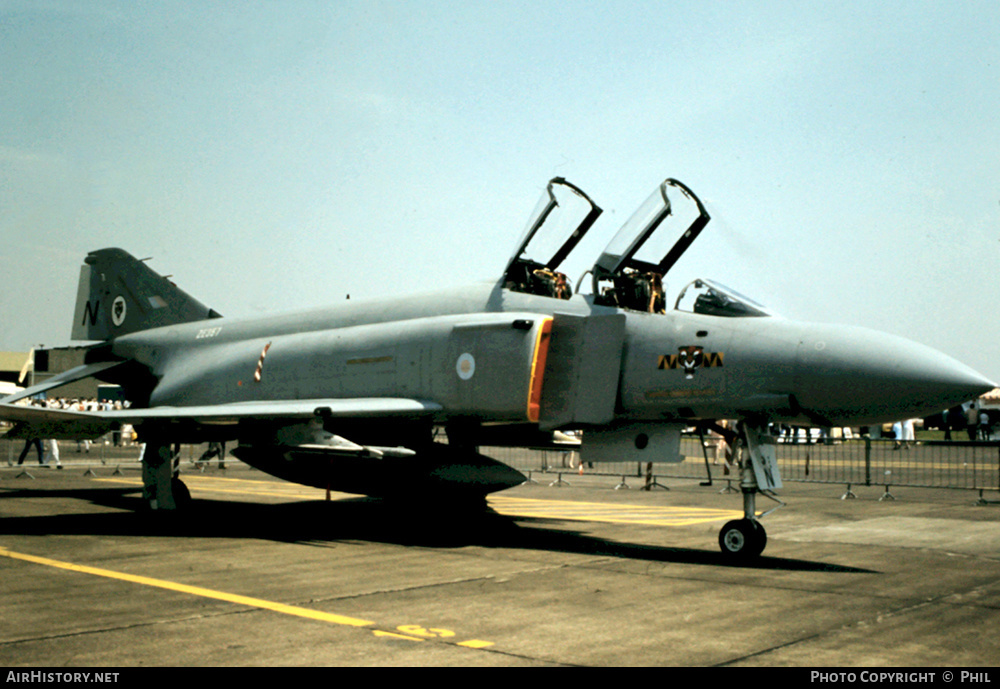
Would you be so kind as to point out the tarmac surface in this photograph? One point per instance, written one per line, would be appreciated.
(260, 572)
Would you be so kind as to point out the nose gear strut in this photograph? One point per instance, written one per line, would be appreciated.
(746, 538)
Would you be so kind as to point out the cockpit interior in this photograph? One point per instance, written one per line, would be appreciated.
(629, 272)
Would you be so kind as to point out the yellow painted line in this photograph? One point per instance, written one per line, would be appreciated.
(474, 643)
(653, 515)
(411, 632)
(198, 483)
(224, 479)
(215, 479)
(571, 510)
(192, 590)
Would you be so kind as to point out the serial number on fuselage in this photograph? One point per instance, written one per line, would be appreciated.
(206, 333)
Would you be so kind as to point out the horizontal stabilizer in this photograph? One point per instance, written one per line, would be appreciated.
(70, 376)
(60, 424)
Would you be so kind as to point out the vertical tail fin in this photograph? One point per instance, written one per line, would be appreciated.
(119, 294)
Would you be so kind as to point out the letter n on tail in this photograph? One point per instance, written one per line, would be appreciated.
(90, 312)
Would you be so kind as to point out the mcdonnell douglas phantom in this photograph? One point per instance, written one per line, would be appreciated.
(348, 397)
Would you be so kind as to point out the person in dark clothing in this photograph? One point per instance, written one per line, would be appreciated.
(28, 444)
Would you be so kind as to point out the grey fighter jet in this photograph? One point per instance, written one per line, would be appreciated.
(349, 397)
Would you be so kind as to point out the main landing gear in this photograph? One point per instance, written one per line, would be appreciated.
(162, 488)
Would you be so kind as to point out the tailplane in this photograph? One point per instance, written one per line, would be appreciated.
(120, 294)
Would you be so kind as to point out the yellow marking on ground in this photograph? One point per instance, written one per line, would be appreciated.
(654, 515)
(219, 479)
(201, 483)
(474, 643)
(192, 590)
(413, 632)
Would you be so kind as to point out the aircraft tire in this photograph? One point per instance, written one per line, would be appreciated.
(182, 496)
(743, 538)
(761, 538)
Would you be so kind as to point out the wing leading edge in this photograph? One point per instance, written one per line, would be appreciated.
(67, 424)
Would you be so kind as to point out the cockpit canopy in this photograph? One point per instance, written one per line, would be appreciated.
(710, 298)
(643, 242)
(629, 272)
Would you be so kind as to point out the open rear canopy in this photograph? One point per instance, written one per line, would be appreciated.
(630, 271)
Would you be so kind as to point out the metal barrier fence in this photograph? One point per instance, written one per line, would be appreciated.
(855, 462)
(960, 465)
(108, 451)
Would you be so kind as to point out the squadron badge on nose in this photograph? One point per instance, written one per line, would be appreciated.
(690, 358)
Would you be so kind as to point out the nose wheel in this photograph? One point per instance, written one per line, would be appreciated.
(743, 538)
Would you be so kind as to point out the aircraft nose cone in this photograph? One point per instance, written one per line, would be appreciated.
(861, 376)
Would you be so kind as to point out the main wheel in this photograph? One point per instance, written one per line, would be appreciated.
(182, 496)
(743, 538)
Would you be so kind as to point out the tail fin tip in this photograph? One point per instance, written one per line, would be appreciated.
(119, 294)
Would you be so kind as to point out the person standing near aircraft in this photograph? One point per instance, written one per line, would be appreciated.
(28, 444)
(972, 420)
(908, 434)
(215, 449)
(31, 443)
(903, 430)
(52, 445)
(52, 453)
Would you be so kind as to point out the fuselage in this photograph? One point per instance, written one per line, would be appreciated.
(675, 366)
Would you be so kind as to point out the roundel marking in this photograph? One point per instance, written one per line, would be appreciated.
(465, 366)
(118, 310)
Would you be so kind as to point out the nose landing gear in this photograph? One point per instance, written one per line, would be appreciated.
(744, 539)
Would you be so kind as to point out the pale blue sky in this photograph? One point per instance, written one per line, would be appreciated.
(277, 155)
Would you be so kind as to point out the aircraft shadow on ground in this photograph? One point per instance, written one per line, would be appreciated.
(366, 519)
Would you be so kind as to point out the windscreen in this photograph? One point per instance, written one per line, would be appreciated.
(714, 299)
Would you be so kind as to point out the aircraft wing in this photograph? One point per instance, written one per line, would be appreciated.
(41, 422)
(220, 414)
